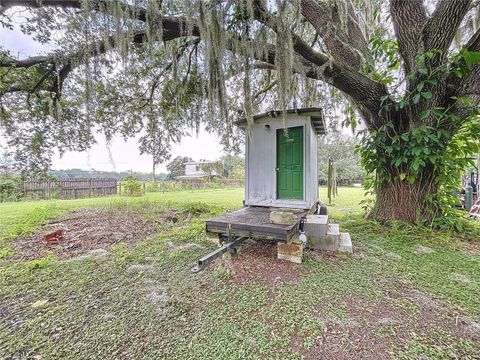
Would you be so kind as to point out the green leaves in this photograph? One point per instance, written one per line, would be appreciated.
(385, 52)
(424, 114)
(462, 62)
(409, 152)
(423, 71)
(470, 57)
(427, 95)
(425, 151)
(416, 98)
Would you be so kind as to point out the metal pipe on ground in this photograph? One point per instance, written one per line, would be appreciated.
(215, 254)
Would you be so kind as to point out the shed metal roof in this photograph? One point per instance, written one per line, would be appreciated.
(315, 113)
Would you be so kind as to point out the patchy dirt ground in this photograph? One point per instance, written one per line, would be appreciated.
(257, 261)
(370, 330)
(89, 229)
(332, 306)
(361, 328)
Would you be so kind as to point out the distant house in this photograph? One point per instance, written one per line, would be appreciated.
(195, 170)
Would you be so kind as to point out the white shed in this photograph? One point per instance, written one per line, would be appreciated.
(281, 158)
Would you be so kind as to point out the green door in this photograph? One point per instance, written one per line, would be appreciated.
(290, 163)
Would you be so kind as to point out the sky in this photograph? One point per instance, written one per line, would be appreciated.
(125, 154)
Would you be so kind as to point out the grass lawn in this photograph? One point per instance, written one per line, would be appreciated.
(405, 293)
(23, 217)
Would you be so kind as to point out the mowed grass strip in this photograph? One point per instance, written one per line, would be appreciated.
(388, 300)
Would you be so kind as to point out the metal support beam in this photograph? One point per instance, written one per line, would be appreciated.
(229, 246)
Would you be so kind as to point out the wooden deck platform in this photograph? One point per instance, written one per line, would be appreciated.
(254, 222)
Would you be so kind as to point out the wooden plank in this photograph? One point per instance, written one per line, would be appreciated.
(254, 222)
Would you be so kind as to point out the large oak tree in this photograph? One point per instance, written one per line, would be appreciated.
(409, 68)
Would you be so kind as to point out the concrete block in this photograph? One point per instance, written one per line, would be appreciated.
(282, 217)
(291, 252)
(316, 225)
(328, 241)
(332, 240)
(345, 244)
(333, 231)
(317, 219)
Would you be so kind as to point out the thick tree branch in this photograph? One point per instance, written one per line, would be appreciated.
(336, 41)
(25, 63)
(468, 88)
(361, 89)
(443, 24)
(354, 32)
(299, 45)
(92, 50)
(135, 12)
(66, 63)
(173, 28)
(473, 44)
(471, 85)
(409, 18)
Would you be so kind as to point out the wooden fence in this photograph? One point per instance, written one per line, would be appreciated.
(164, 186)
(69, 188)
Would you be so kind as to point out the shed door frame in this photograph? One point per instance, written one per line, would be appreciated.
(304, 165)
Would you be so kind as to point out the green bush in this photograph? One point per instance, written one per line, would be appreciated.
(132, 186)
(198, 208)
(9, 188)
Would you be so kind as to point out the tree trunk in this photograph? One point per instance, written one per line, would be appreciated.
(400, 200)
(153, 171)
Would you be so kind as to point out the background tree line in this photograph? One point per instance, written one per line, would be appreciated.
(341, 148)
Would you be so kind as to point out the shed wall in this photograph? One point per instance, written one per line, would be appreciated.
(261, 162)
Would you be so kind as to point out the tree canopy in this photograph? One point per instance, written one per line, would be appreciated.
(408, 70)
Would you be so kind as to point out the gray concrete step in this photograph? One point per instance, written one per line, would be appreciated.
(333, 232)
(328, 241)
(333, 229)
(316, 225)
(332, 239)
(345, 244)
